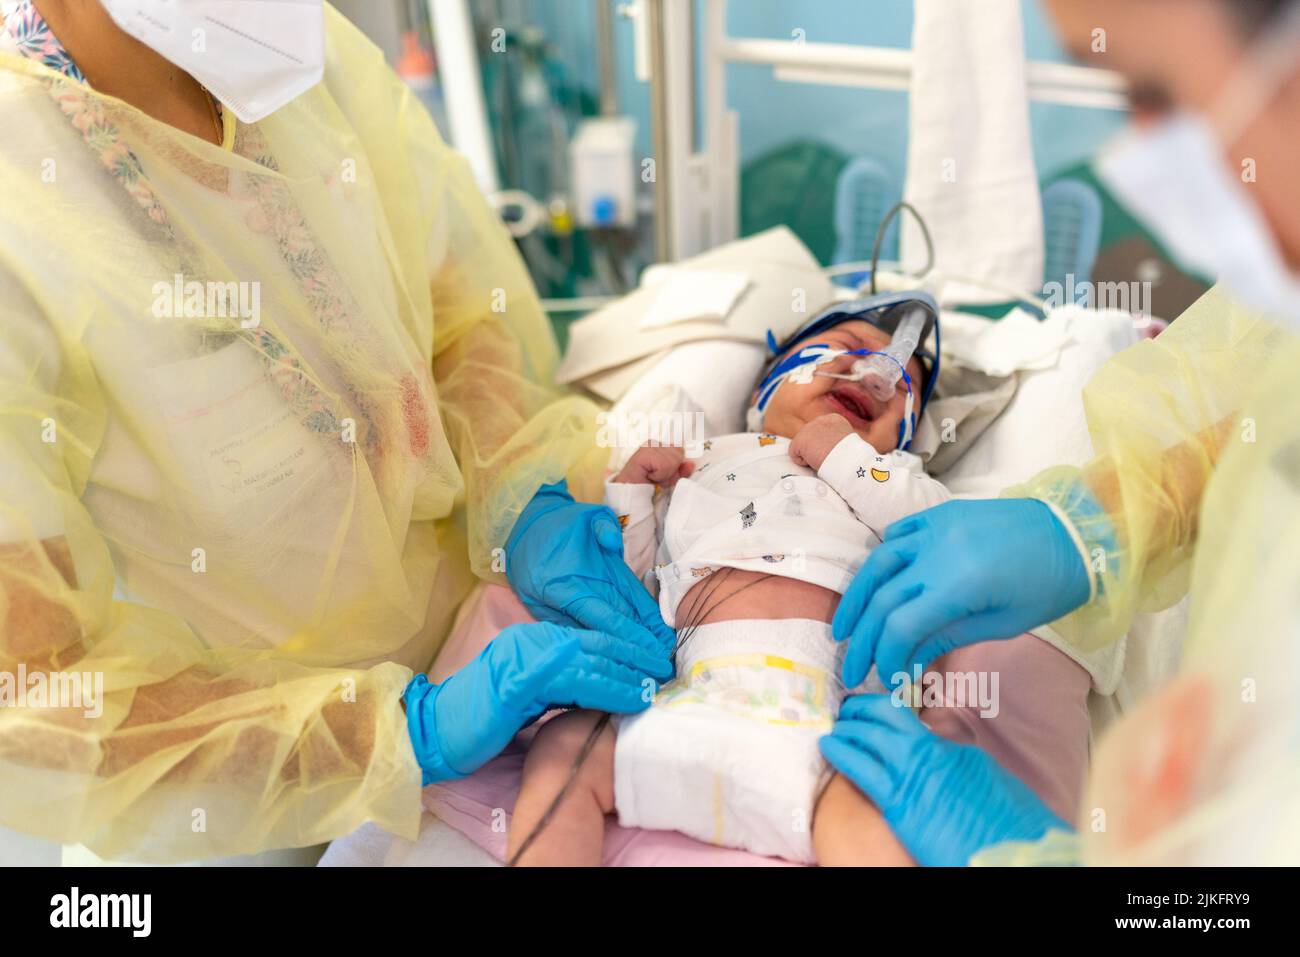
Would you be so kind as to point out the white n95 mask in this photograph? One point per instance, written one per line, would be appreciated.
(1173, 177)
(252, 55)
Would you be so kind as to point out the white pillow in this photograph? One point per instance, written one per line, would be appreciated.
(1044, 424)
(713, 378)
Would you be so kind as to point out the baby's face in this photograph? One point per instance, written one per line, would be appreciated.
(795, 404)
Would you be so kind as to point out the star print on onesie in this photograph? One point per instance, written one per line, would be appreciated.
(838, 511)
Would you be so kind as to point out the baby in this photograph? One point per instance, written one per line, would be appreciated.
(751, 543)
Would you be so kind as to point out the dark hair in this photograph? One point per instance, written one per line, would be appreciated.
(1256, 14)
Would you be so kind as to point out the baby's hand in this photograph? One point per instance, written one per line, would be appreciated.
(660, 465)
(815, 440)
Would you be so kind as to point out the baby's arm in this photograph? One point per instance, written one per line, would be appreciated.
(635, 495)
(881, 489)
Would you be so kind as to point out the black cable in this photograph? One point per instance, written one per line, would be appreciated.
(685, 633)
(695, 626)
(693, 623)
(573, 776)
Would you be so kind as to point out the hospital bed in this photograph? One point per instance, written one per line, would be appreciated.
(1019, 405)
(692, 333)
(1011, 394)
(1011, 388)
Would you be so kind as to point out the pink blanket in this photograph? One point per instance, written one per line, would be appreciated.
(480, 805)
(1040, 734)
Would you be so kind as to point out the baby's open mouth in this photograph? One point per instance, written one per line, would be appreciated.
(852, 404)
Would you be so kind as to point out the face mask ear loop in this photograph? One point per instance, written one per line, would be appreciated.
(1267, 68)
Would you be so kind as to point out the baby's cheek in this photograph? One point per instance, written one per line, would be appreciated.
(898, 405)
(889, 423)
(882, 436)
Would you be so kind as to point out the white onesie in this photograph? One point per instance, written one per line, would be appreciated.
(728, 752)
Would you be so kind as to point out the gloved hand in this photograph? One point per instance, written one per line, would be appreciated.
(460, 724)
(953, 575)
(945, 802)
(565, 561)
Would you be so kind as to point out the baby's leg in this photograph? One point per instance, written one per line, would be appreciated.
(1038, 728)
(848, 831)
(575, 832)
(1038, 731)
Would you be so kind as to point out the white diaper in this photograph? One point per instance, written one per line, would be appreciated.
(728, 751)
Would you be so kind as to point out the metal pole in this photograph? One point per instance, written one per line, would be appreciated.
(605, 57)
(882, 68)
(453, 39)
(654, 13)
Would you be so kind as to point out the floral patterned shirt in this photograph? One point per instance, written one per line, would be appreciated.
(26, 32)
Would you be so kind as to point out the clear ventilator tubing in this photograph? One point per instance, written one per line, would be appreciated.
(881, 371)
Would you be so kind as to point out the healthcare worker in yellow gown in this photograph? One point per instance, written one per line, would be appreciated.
(1195, 484)
(274, 393)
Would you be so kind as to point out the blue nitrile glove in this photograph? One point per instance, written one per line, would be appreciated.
(462, 723)
(564, 559)
(944, 801)
(957, 574)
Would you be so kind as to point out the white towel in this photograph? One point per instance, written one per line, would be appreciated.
(970, 169)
